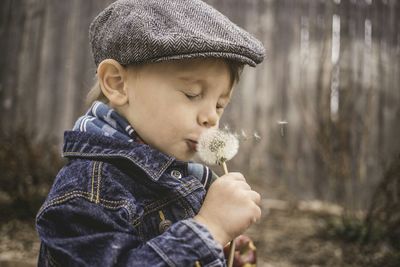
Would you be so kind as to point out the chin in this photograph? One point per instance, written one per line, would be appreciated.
(180, 153)
(184, 156)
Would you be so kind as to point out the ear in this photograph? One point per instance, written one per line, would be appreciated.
(112, 77)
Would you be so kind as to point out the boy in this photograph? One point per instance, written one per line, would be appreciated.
(129, 195)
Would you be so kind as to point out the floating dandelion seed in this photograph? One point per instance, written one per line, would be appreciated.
(226, 128)
(243, 135)
(283, 125)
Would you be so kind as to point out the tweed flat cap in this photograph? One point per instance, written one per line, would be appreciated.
(142, 31)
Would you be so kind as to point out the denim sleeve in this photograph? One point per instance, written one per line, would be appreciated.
(80, 233)
(185, 242)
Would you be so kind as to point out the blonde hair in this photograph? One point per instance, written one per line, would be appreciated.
(96, 94)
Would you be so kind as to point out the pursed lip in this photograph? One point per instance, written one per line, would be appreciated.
(192, 144)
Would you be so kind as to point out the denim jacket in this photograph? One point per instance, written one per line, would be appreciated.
(120, 204)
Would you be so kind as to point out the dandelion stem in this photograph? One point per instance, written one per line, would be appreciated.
(225, 167)
(232, 243)
(231, 252)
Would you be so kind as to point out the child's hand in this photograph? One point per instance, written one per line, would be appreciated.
(229, 208)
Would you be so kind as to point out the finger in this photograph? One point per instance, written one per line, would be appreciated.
(257, 212)
(237, 176)
(255, 197)
(242, 185)
(256, 219)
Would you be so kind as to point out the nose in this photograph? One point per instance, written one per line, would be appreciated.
(208, 117)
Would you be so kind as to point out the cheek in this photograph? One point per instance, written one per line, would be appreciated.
(163, 117)
(174, 110)
(152, 113)
(166, 115)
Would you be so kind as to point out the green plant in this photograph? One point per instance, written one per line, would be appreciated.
(351, 228)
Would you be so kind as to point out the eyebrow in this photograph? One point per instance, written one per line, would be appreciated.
(191, 80)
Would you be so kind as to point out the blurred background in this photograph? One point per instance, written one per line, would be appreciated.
(319, 120)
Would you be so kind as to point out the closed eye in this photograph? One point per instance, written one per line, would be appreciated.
(220, 109)
(222, 103)
(192, 96)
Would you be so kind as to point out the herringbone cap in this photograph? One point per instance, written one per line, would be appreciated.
(142, 31)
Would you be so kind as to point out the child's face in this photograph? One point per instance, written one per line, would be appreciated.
(172, 103)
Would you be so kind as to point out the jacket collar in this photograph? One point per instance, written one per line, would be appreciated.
(87, 145)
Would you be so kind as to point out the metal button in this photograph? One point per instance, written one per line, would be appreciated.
(176, 174)
(164, 225)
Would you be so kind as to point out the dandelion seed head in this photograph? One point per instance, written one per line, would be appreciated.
(217, 146)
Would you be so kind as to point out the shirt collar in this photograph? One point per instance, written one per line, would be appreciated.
(88, 145)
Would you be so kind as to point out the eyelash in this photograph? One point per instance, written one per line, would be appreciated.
(192, 97)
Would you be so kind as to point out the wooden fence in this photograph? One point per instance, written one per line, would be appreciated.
(331, 72)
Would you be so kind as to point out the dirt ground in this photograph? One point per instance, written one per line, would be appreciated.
(19, 244)
(296, 235)
(286, 236)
